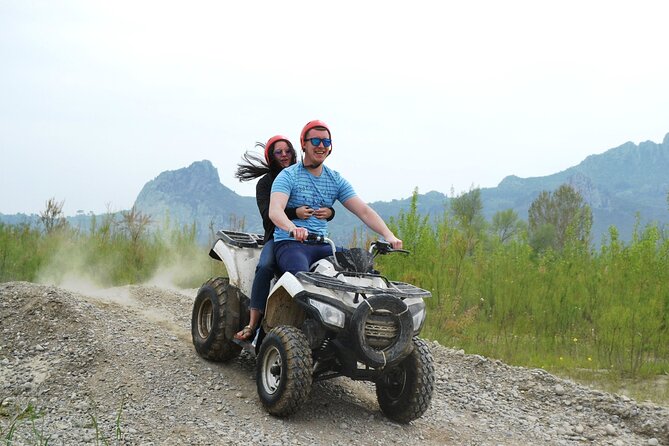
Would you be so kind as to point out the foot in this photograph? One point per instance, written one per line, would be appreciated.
(246, 334)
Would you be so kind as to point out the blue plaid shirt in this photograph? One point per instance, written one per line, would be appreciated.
(303, 189)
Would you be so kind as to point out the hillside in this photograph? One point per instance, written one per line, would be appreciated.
(195, 194)
(618, 184)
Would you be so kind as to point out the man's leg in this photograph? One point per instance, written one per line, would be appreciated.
(317, 252)
(292, 257)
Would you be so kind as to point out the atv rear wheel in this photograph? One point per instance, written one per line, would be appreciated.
(405, 391)
(215, 320)
(284, 370)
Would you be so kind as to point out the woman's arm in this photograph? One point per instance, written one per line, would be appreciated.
(263, 190)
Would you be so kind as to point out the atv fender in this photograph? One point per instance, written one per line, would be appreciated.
(240, 263)
(281, 308)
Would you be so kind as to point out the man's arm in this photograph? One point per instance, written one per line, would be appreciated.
(277, 206)
(372, 220)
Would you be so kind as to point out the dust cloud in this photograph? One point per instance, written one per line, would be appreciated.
(78, 268)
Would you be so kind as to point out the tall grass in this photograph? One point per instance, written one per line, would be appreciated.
(21, 253)
(107, 254)
(580, 308)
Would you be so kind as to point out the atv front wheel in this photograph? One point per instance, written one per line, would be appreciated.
(284, 370)
(215, 320)
(405, 391)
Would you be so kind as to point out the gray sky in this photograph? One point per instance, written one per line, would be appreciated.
(97, 98)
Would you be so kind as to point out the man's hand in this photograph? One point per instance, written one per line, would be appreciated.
(300, 234)
(323, 213)
(304, 212)
(394, 242)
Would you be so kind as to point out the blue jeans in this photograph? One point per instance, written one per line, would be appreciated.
(264, 275)
(293, 257)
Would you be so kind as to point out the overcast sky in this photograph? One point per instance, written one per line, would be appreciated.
(97, 98)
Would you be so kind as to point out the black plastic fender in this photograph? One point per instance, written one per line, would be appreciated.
(402, 345)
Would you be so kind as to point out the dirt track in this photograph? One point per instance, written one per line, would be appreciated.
(79, 357)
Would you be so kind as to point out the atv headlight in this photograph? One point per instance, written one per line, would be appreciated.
(329, 314)
(417, 315)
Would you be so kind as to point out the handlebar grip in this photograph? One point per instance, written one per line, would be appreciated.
(383, 247)
(311, 237)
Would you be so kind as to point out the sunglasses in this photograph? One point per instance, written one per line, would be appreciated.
(327, 142)
(279, 152)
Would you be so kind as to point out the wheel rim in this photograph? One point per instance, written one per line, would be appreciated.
(395, 383)
(205, 319)
(271, 370)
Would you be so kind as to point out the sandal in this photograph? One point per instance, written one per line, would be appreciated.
(246, 334)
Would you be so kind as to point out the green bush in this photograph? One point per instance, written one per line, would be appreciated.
(573, 308)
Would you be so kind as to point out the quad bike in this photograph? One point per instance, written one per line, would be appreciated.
(341, 318)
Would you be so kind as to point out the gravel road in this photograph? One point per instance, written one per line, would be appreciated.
(118, 366)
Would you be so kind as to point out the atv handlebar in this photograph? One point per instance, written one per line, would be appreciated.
(382, 247)
(376, 247)
(318, 238)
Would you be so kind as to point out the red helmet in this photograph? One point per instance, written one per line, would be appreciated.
(310, 125)
(270, 143)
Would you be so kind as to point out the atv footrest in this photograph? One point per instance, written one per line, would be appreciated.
(246, 345)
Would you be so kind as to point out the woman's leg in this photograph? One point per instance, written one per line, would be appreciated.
(260, 289)
(264, 274)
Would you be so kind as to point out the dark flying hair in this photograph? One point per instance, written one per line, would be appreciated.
(255, 165)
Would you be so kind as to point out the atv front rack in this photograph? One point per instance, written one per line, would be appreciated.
(398, 289)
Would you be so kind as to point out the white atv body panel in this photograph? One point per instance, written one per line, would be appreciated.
(240, 263)
(288, 286)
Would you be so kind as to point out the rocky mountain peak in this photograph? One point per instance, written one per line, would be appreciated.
(194, 194)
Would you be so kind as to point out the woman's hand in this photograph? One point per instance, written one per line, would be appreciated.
(304, 212)
(323, 213)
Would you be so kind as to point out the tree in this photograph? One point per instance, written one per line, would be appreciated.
(52, 217)
(134, 223)
(412, 227)
(467, 210)
(558, 217)
(506, 225)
